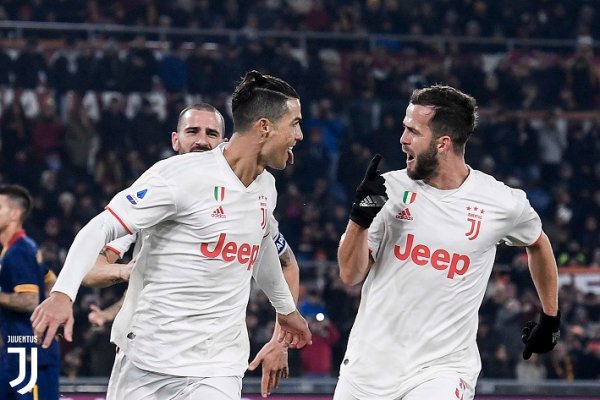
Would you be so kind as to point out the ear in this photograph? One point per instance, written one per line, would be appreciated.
(264, 127)
(444, 143)
(175, 141)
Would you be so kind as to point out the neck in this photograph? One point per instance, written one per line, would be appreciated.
(8, 232)
(451, 173)
(243, 156)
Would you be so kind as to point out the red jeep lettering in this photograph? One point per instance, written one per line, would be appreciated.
(245, 253)
(440, 259)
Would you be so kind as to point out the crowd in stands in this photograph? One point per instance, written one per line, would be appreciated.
(474, 18)
(82, 120)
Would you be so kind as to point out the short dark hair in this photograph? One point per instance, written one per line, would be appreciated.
(455, 112)
(20, 196)
(201, 107)
(260, 96)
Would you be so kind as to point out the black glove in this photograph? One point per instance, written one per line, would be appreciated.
(370, 195)
(542, 337)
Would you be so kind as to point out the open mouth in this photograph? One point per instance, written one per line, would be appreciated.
(409, 158)
(290, 155)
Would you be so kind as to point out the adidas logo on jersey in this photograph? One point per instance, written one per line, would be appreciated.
(405, 215)
(218, 213)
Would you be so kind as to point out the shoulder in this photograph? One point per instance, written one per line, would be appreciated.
(511, 199)
(399, 175)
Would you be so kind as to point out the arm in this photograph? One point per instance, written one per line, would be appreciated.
(542, 336)
(291, 272)
(20, 302)
(267, 273)
(353, 254)
(57, 309)
(99, 317)
(274, 355)
(106, 271)
(544, 273)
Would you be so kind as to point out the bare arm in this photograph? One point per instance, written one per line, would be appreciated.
(105, 271)
(291, 272)
(353, 254)
(99, 317)
(544, 273)
(21, 302)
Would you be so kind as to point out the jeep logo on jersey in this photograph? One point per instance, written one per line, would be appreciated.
(245, 253)
(440, 259)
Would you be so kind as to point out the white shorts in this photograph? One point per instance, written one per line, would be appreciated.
(128, 382)
(446, 386)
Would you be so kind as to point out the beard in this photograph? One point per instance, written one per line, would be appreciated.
(426, 164)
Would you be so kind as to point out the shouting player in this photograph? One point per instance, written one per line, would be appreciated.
(205, 223)
(425, 256)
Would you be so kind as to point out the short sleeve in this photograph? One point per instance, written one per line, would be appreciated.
(376, 231)
(527, 226)
(23, 267)
(122, 244)
(149, 201)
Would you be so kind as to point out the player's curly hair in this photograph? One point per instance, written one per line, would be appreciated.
(20, 196)
(455, 112)
(259, 96)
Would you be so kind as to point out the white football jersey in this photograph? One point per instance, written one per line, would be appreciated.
(434, 251)
(187, 296)
(120, 245)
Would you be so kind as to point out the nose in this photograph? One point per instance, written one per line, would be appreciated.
(201, 139)
(404, 138)
(299, 134)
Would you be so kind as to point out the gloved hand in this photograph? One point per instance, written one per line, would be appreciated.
(370, 195)
(541, 337)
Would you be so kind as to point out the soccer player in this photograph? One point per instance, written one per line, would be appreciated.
(425, 256)
(23, 280)
(200, 127)
(205, 224)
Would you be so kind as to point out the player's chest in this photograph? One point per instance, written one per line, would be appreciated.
(461, 224)
(222, 209)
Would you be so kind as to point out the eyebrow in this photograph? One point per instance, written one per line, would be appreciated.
(410, 128)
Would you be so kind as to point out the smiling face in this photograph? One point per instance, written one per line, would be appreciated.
(198, 130)
(283, 136)
(418, 143)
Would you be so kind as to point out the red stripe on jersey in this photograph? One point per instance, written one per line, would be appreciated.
(117, 252)
(120, 220)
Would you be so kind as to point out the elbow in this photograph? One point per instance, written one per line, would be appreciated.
(347, 277)
(89, 281)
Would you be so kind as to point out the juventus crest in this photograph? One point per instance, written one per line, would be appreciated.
(474, 217)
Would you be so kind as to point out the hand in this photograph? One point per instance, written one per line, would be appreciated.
(542, 337)
(370, 195)
(53, 312)
(274, 359)
(97, 317)
(294, 330)
(125, 269)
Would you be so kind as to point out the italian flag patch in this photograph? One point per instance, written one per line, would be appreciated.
(219, 193)
(409, 197)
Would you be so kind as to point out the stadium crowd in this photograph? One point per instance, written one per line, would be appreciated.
(82, 120)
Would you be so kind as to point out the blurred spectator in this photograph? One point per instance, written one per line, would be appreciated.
(30, 67)
(317, 358)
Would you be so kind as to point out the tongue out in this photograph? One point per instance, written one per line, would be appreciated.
(290, 156)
